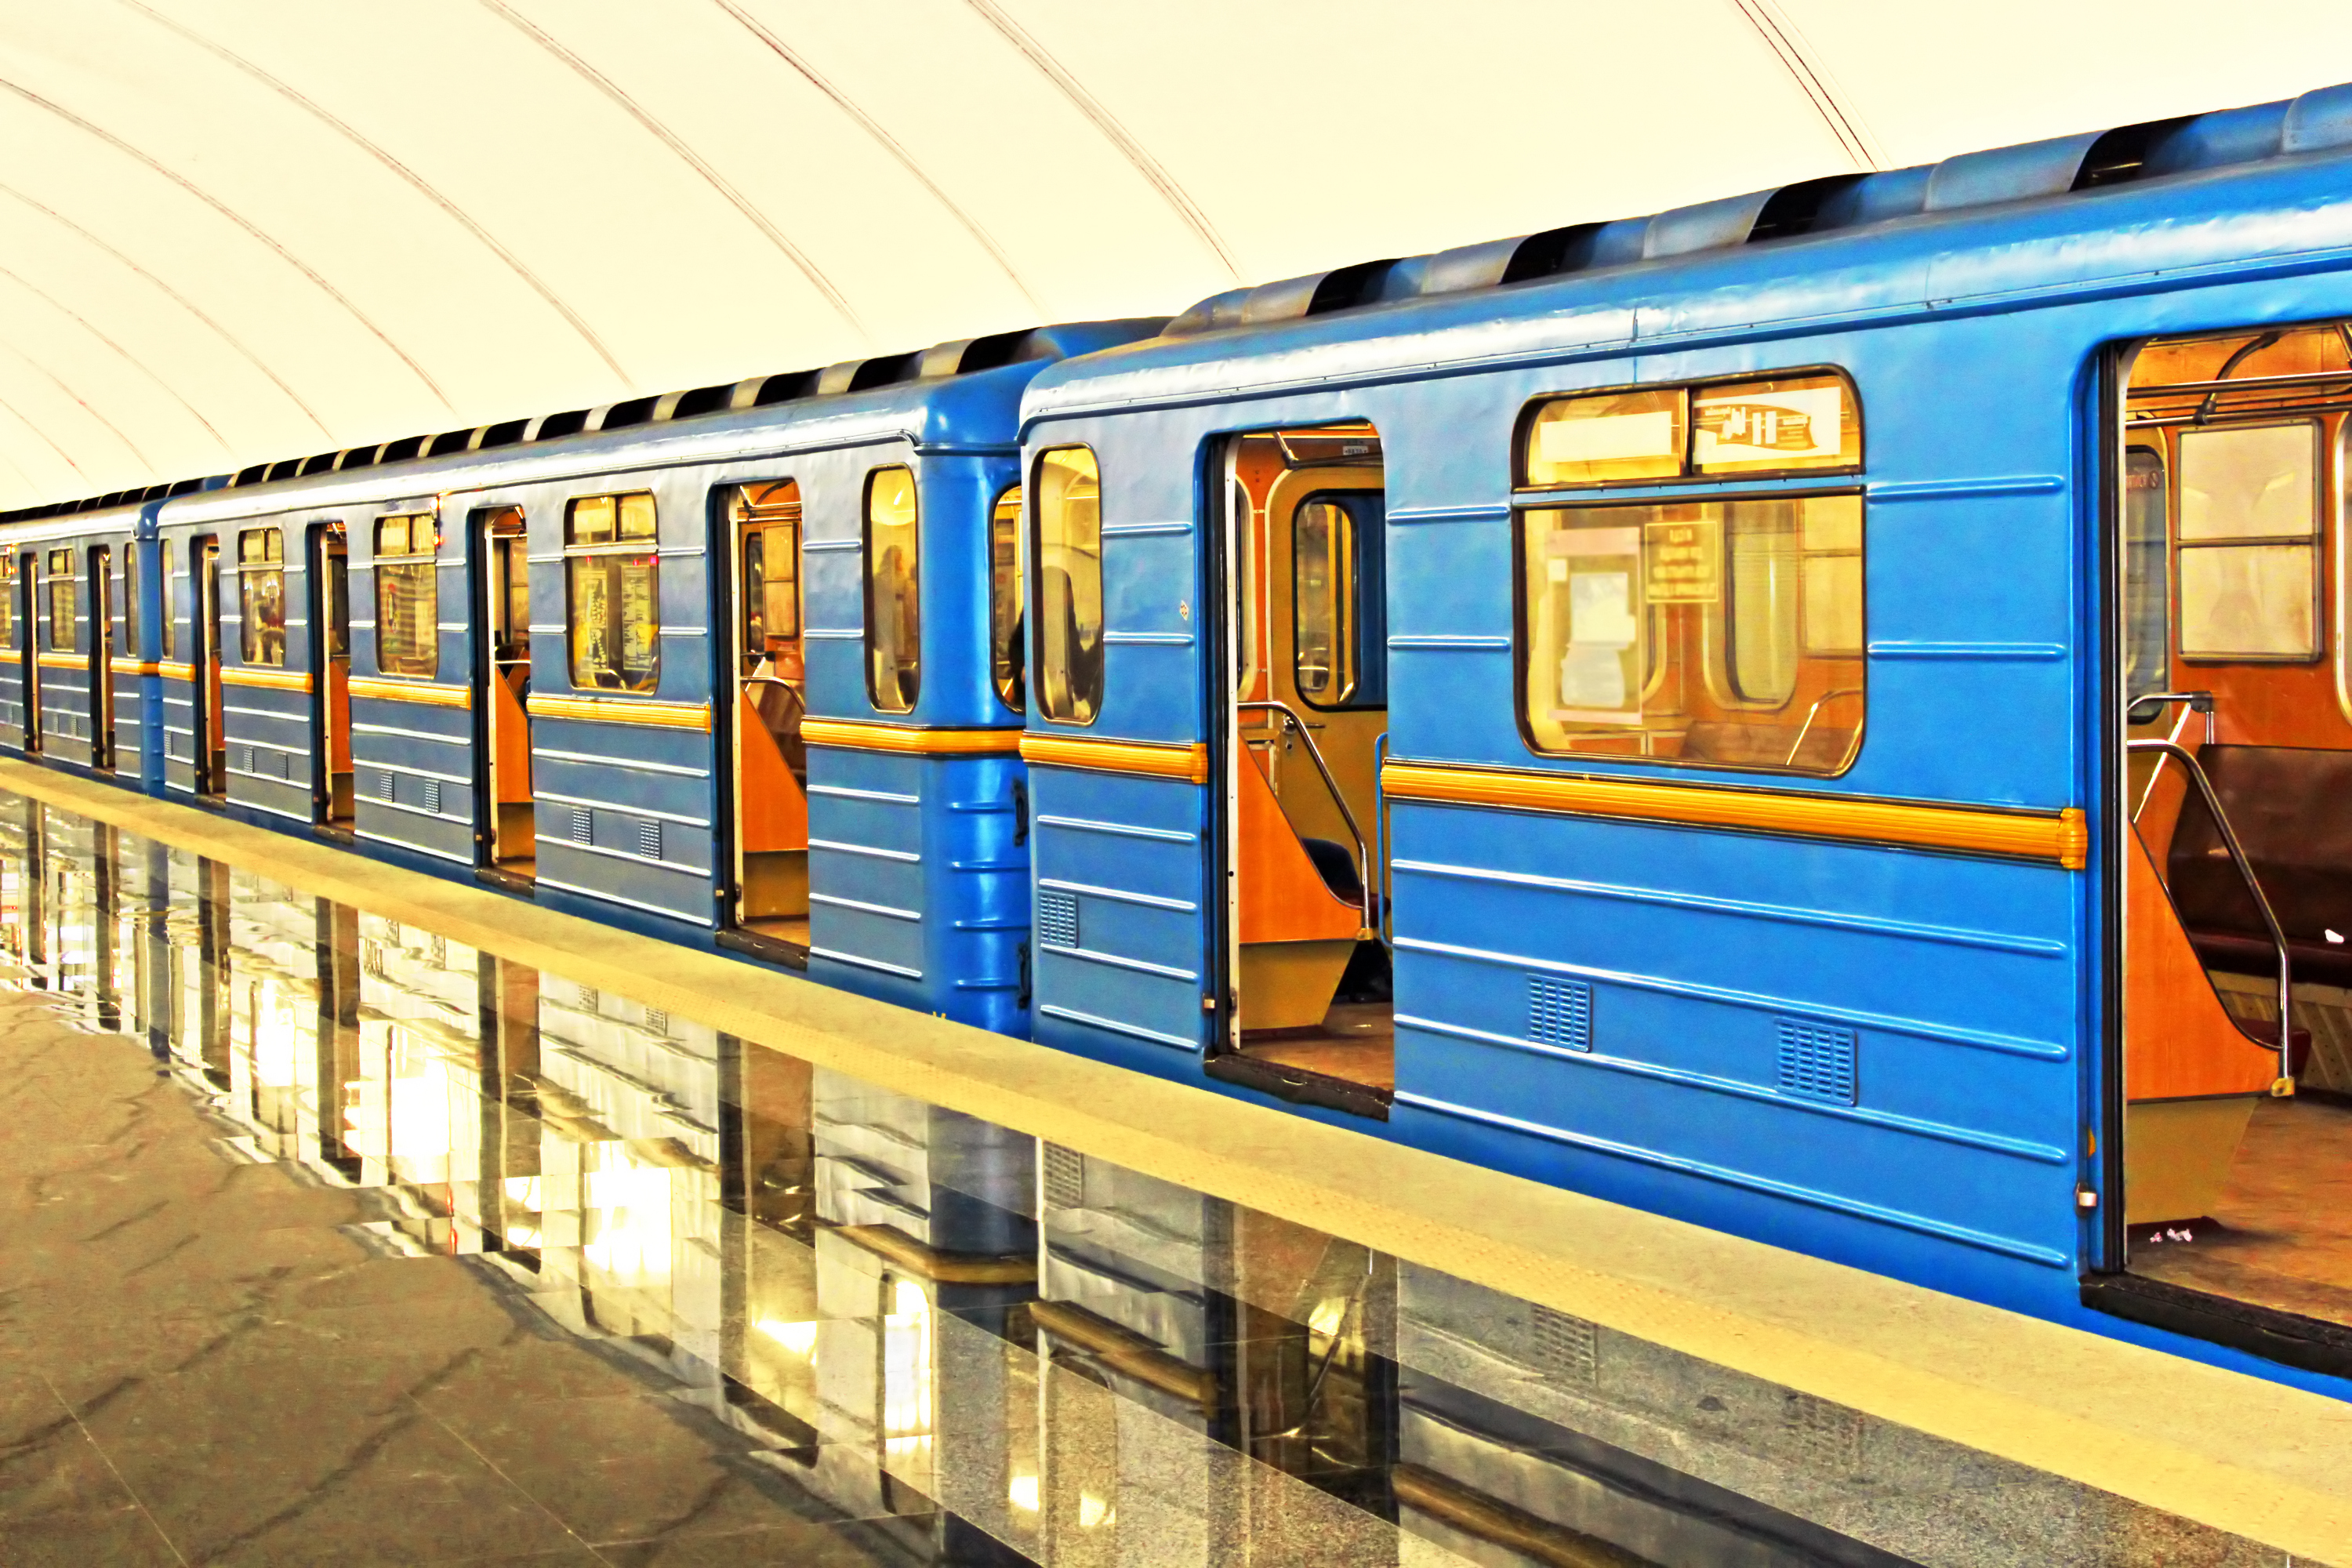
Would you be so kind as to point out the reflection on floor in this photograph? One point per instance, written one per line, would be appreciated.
(1357, 1043)
(328, 1239)
(2283, 1236)
(795, 930)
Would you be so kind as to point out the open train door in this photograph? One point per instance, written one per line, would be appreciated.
(764, 884)
(1308, 1014)
(101, 657)
(2231, 1081)
(509, 828)
(330, 644)
(28, 643)
(212, 746)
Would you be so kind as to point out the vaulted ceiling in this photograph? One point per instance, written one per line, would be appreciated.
(241, 230)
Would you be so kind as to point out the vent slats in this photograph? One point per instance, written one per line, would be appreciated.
(582, 825)
(1559, 1012)
(1065, 1177)
(1057, 919)
(649, 839)
(1816, 1061)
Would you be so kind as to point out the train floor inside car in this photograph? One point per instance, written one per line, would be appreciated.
(1356, 1043)
(2281, 1235)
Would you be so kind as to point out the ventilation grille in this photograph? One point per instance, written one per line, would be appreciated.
(1817, 1062)
(1065, 1177)
(432, 796)
(649, 844)
(657, 1021)
(1566, 1348)
(384, 786)
(581, 824)
(1057, 919)
(1559, 1012)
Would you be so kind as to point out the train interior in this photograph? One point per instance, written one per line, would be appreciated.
(1308, 960)
(769, 897)
(331, 619)
(510, 841)
(2238, 764)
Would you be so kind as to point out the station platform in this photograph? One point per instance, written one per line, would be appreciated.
(1673, 1368)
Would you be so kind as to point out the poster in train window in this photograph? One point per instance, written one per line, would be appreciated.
(612, 593)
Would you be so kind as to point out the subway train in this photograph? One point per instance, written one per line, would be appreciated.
(1837, 733)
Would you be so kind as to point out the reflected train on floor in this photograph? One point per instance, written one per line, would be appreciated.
(978, 1347)
(1824, 713)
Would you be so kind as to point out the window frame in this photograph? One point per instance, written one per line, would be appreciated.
(910, 695)
(250, 652)
(1033, 497)
(1715, 669)
(1690, 473)
(55, 577)
(1008, 643)
(1366, 608)
(2315, 542)
(127, 578)
(574, 553)
(405, 564)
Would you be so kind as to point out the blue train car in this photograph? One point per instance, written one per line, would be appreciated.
(1644, 706)
(78, 684)
(733, 664)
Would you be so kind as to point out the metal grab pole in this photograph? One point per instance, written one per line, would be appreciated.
(2246, 870)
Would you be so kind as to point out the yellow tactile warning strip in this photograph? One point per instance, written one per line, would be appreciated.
(2058, 836)
(2233, 1452)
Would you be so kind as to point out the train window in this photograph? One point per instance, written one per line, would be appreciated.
(1337, 655)
(894, 622)
(2249, 559)
(7, 600)
(1723, 633)
(1070, 585)
(164, 585)
(611, 576)
(407, 594)
(63, 598)
(1006, 664)
(1785, 424)
(2148, 636)
(261, 594)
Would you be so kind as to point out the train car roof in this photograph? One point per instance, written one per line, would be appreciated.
(137, 519)
(961, 396)
(2138, 208)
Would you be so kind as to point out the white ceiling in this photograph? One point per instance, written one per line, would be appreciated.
(239, 230)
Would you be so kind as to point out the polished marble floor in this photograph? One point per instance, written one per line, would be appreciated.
(325, 1239)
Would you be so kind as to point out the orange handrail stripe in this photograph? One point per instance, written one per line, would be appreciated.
(64, 661)
(2061, 837)
(273, 680)
(133, 667)
(384, 690)
(1154, 758)
(621, 711)
(852, 735)
(172, 669)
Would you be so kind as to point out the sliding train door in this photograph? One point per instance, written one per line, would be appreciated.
(204, 599)
(2236, 884)
(100, 566)
(1306, 967)
(502, 691)
(330, 644)
(765, 900)
(28, 645)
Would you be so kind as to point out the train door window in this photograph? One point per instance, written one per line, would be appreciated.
(2148, 579)
(1338, 637)
(1246, 630)
(407, 594)
(7, 601)
(166, 637)
(261, 594)
(893, 543)
(1070, 585)
(2249, 556)
(132, 647)
(63, 595)
(611, 587)
(1004, 600)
